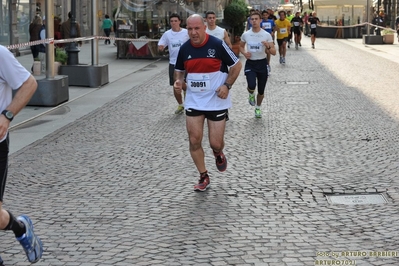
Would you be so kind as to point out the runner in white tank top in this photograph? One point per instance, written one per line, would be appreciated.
(214, 30)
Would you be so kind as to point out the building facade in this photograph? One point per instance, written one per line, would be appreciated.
(147, 17)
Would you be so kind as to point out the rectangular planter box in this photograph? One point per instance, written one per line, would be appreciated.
(50, 92)
(372, 39)
(85, 75)
(388, 39)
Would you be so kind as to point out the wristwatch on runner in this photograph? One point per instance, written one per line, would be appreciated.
(227, 85)
(8, 114)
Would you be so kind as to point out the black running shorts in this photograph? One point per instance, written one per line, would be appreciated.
(171, 74)
(3, 165)
(313, 32)
(280, 41)
(210, 115)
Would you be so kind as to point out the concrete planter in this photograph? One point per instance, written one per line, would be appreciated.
(85, 75)
(388, 38)
(37, 68)
(50, 92)
(372, 39)
(56, 67)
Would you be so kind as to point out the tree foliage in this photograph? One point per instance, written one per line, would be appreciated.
(235, 15)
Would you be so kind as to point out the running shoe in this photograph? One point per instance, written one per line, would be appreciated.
(251, 99)
(300, 45)
(203, 183)
(179, 109)
(312, 46)
(221, 161)
(258, 113)
(1, 262)
(283, 60)
(32, 244)
(288, 45)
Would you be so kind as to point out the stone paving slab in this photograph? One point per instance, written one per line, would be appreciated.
(115, 187)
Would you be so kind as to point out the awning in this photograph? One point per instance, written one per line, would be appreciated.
(341, 2)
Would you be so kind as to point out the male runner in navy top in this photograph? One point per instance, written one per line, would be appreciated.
(211, 68)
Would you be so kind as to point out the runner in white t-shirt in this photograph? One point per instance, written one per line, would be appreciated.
(173, 39)
(214, 30)
(253, 46)
(14, 76)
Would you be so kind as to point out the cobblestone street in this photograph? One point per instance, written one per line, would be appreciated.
(116, 186)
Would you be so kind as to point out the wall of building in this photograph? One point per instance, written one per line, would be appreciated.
(16, 15)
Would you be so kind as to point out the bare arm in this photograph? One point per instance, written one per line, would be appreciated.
(179, 84)
(234, 71)
(242, 50)
(161, 47)
(272, 49)
(19, 101)
(227, 39)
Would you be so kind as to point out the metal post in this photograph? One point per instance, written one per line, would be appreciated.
(368, 18)
(94, 42)
(72, 48)
(49, 35)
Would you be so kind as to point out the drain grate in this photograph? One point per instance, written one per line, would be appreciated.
(354, 199)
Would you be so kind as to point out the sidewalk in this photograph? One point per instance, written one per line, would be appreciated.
(123, 75)
(387, 51)
(111, 180)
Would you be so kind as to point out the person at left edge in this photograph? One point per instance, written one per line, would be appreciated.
(173, 39)
(211, 68)
(13, 76)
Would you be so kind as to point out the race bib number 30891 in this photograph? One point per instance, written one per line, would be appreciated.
(198, 82)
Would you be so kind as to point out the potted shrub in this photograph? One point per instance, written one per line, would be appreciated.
(235, 15)
(61, 55)
(236, 45)
(387, 36)
(60, 58)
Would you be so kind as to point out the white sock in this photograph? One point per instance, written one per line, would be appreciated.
(257, 107)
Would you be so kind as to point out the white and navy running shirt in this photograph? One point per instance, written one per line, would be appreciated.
(254, 43)
(206, 66)
(218, 32)
(173, 39)
(12, 76)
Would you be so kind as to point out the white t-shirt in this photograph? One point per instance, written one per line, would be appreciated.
(254, 43)
(173, 39)
(218, 32)
(12, 76)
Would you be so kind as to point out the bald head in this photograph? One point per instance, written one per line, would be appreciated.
(196, 17)
(196, 29)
